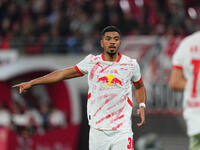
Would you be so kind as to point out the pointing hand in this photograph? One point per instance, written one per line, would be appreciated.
(23, 87)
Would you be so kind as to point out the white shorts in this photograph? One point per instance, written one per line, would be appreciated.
(110, 140)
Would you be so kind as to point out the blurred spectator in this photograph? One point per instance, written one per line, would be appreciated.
(55, 43)
(130, 25)
(34, 121)
(73, 43)
(5, 116)
(57, 118)
(19, 117)
(44, 112)
(98, 15)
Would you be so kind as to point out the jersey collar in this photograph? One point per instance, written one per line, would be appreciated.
(119, 58)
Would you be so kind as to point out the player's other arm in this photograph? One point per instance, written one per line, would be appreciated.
(52, 77)
(140, 94)
(177, 80)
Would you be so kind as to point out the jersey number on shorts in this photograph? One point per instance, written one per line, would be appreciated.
(196, 69)
(130, 143)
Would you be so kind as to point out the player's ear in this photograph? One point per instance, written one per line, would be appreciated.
(101, 43)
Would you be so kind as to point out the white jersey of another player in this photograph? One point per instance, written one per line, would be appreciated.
(187, 58)
(109, 105)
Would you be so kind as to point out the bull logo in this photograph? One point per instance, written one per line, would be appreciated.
(110, 80)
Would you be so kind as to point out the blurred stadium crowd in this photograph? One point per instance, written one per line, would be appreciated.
(73, 26)
(29, 118)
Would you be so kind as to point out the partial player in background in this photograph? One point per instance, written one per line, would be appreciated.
(109, 106)
(185, 76)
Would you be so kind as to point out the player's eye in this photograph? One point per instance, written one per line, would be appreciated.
(107, 38)
(116, 39)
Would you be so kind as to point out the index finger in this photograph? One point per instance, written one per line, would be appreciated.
(141, 123)
(142, 118)
(17, 85)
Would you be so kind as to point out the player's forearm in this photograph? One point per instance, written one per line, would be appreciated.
(56, 76)
(140, 94)
(177, 80)
(49, 78)
(178, 85)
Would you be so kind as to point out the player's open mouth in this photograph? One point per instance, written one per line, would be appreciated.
(112, 47)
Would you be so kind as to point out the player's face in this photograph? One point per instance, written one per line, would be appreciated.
(111, 42)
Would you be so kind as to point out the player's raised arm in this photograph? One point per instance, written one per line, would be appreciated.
(140, 94)
(52, 77)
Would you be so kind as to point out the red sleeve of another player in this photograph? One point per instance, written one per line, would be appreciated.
(177, 67)
(77, 69)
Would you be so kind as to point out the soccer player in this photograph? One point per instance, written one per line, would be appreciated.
(109, 107)
(185, 76)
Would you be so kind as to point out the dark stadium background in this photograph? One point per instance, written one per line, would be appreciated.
(40, 36)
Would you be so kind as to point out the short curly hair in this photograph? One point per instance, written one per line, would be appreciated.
(110, 29)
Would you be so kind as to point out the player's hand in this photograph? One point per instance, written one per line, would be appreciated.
(141, 113)
(23, 87)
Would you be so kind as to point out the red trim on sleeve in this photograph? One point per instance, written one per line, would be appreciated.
(77, 69)
(177, 67)
(138, 81)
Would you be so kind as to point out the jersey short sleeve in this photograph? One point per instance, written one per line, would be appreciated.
(136, 74)
(83, 66)
(178, 57)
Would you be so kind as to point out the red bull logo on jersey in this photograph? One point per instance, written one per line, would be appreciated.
(110, 80)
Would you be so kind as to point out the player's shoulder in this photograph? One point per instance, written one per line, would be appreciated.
(92, 57)
(128, 59)
(194, 35)
(191, 38)
(129, 62)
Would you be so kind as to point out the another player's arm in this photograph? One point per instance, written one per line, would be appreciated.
(177, 80)
(52, 77)
(140, 94)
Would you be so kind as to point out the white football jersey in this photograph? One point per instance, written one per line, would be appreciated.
(187, 58)
(110, 103)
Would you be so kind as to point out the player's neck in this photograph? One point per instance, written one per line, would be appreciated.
(113, 58)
